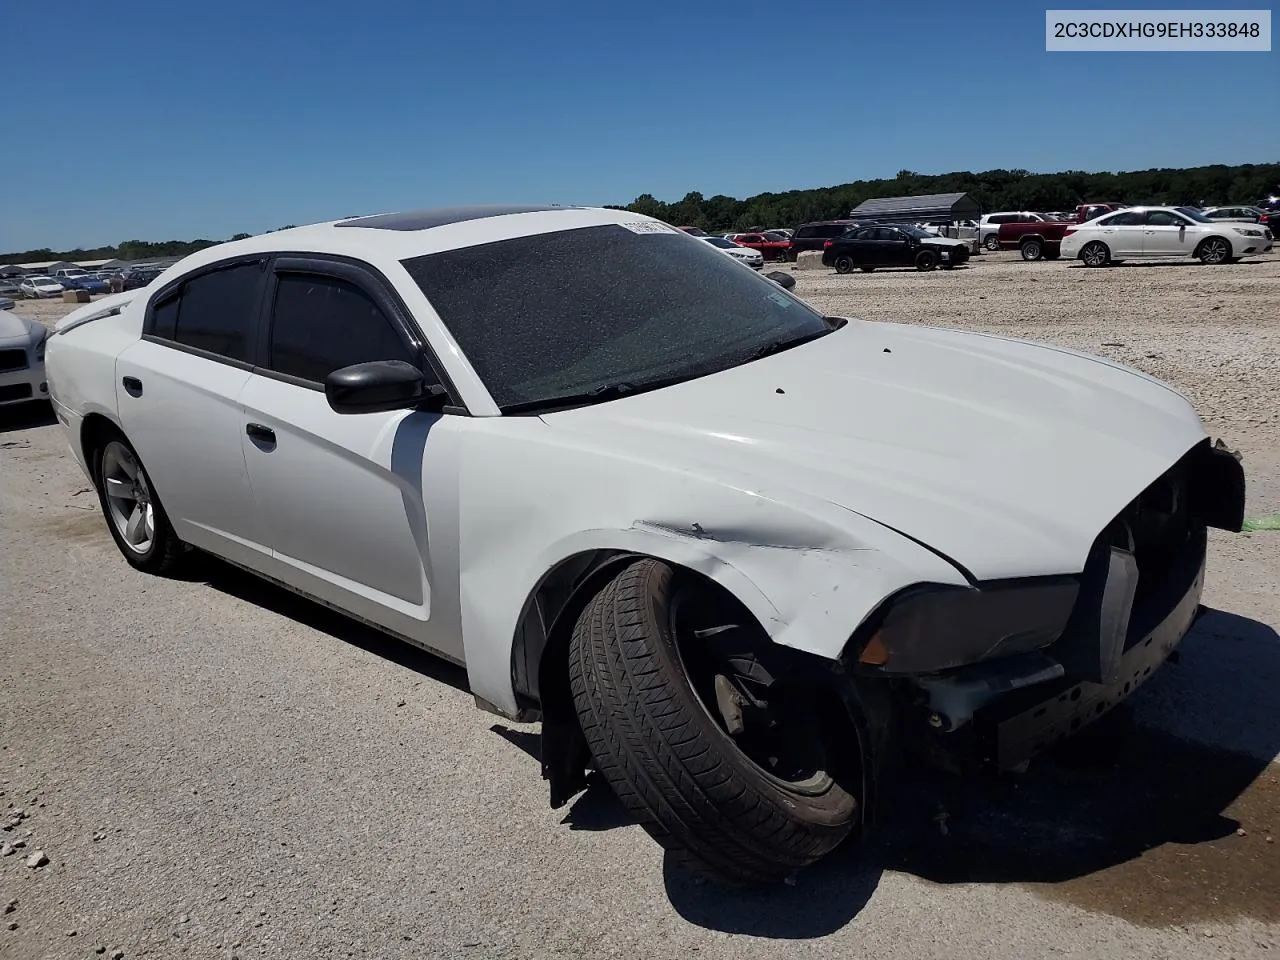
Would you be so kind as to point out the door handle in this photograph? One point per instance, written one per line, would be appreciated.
(257, 431)
(132, 385)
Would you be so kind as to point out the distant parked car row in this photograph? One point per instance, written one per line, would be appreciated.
(38, 286)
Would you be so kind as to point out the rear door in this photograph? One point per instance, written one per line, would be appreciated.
(892, 247)
(341, 496)
(1122, 233)
(178, 393)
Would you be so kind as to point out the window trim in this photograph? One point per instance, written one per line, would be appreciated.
(371, 282)
(173, 288)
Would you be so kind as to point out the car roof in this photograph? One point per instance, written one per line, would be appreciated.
(402, 236)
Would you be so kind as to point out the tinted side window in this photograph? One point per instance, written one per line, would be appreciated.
(1122, 220)
(216, 312)
(1000, 218)
(165, 319)
(320, 324)
(804, 232)
(1162, 218)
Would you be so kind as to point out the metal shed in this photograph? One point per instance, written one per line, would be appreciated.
(926, 208)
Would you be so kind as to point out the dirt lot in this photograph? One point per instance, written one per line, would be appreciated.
(214, 768)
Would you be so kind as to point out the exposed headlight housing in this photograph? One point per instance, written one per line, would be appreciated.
(41, 343)
(1248, 231)
(932, 627)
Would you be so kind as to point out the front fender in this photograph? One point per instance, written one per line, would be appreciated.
(809, 571)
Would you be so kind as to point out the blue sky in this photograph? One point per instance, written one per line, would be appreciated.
(171, 120)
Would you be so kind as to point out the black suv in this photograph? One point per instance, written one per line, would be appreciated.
(812, 236)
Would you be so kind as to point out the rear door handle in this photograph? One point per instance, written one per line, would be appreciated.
(133, 385)
(257, 431)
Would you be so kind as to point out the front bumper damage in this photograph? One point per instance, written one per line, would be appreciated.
(1138, 596)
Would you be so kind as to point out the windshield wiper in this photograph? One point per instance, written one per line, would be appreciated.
(777, 346)
(606, 391)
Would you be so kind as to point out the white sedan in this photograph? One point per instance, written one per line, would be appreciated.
(752, 258)
(35, 288)
(1163, 232)
(22, 347)
(732, 552)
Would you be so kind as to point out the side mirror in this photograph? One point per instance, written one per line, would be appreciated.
(784, 280)
(381, 385)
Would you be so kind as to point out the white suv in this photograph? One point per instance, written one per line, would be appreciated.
(989, 225)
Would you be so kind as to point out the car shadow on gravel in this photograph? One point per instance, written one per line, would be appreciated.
(26, 416)
(1134, 822)
(203, 568)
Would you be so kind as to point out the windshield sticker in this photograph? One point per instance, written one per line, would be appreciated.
(781, 299)
(648, 226)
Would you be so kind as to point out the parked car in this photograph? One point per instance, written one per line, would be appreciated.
(1091, 211)
(812, 236)
(22, 348)
(1243, 214)
(892, 245)
(1035, 241)
(1163, 232)
(84, 281)
(33, 288)
(752, 258)
(771, 248)
(753, 552)
(9, 288)
(990, 223)
(785, 231)
(136, 279)
(6, 303)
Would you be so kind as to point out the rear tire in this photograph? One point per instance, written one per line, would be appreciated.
(844, 264)
(1095, 254)
(992, 242)
(639, 676)
(1031, 250)
(135, 517)
(926, 260)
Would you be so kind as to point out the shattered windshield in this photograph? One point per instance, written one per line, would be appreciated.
(597, 311)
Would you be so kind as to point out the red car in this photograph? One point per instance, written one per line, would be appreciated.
(772, 246)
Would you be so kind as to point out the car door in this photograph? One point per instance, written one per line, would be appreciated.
(893, 249)
(1166, 234)
(1121, 232)
(341, 496)
(178, 396)
(858, 244)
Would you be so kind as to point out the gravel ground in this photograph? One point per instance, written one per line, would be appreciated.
(214, 768)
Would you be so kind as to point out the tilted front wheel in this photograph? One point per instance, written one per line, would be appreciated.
(926, 260)
(135, 518)
(728, 760)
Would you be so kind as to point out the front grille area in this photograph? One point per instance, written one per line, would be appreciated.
(15, 391)
(13, 359)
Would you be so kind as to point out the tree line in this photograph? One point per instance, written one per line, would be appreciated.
(993, 189)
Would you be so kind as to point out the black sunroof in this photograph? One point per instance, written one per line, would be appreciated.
(425, 219)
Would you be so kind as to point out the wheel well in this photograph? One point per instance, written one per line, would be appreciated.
(95, 431)
(1213, 236)
(1028, 237)
(542, 655)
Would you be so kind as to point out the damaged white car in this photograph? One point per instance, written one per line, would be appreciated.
(731, 552)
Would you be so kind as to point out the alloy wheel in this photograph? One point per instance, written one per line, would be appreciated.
(128, 492)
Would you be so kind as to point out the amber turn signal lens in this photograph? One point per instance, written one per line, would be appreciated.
(874, 652)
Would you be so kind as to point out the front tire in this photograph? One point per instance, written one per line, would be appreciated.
(926, 260)
(1214, 251)
(135, 517)
(844, 264)
(748, 806)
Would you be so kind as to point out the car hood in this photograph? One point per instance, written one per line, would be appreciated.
(16, 328)
(1006, 457)
(944, 241)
